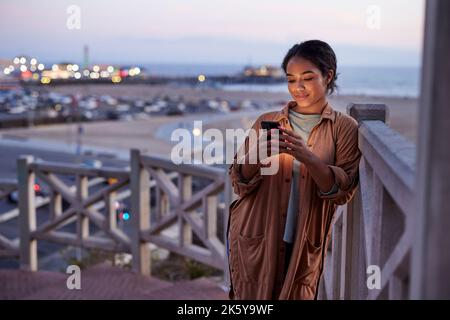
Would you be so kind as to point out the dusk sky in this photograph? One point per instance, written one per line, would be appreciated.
(212, 31)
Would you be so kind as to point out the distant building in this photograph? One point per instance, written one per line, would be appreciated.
(7, 80)
(263, 71)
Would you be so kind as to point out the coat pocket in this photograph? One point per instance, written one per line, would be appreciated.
(251, 257)
(309, 263)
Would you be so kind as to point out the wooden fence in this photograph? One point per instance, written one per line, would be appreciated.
(374, 230)
(184, 221)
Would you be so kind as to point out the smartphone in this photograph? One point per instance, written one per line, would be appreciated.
(269, 125)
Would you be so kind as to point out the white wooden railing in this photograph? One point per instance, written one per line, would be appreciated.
(10, 247)
(84, 208)
(191, 212)
(375, 228)
(184, 219)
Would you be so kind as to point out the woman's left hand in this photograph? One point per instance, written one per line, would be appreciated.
(293, 144)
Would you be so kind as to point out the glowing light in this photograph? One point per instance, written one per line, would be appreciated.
(123, 73)
(110, 69)
(134, 71)
(77, 75)
(117, 204)
(45, 80)
(196, 132)
(23, 60)
(55, 67)
(41, 67)
(11, 68)
(33, 68)
(69, 67)
(96, 68)
(75, 68)
(126, 216)
(23, 68)
(104, 74)
(16, 60)
(86, 73)
(112, 180)
(94, 75)
(26, 75)
(263, 70)
(58, 107)
(35, 76)
(37, 187)
(63, 75)
(33, 61)
(201, 78)
(6, 71)
(116, 79)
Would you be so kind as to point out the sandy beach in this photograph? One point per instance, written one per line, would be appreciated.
(402, 116)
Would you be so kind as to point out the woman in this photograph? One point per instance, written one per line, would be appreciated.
(280, 225)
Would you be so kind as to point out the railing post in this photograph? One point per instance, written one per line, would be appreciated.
(228, 198)
(140, 214)
(55, 205)
(82, 219)
(185, 191)
(27, 214)
(110, 209)
(364, 112)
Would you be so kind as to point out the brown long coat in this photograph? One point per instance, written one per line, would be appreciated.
(258, 216)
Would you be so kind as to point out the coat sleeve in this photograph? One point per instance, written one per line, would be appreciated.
(346, 167)
(240, 185)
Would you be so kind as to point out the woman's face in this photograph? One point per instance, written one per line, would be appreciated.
(306, 84)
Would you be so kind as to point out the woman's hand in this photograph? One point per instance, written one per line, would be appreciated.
(293, 144)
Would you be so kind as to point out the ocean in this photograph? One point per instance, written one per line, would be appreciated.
(352, 80)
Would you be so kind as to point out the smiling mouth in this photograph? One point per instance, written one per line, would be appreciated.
(301, 96)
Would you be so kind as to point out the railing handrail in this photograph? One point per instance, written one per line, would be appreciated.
(200, 170)
(392, 156)
(79, 169)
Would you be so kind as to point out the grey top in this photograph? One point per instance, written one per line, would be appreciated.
(302, 125)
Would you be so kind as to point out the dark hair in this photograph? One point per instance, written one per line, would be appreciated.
(320, 54)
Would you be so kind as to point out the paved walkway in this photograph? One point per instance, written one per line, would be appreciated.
(104, 282)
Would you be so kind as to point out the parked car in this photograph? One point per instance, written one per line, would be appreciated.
(40, 194)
